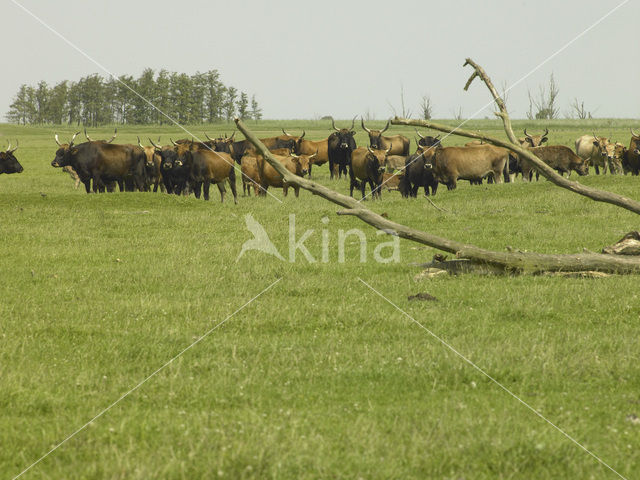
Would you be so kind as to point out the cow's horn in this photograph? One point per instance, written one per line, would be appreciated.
(156, 146)
(333, 124)
(85, 134)
(633, 133)
(208, 137)
(419, 134)
(11, 150)
(546, 132)
(174, 143)
(363, 127)
(353, 122)
(115, 133)
(526, 134)
(595, 136)
(291, 154)
(232, 135)
(9, 145)
(73, 138)
(287, 134)
(369, 148)
(57, 141)
(438, 136)
(386, 127)
(389, 149)
(139, 143)
(314, 155)
(303, 134)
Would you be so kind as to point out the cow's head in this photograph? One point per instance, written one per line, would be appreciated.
(65, 152)
(344, 137)
(427, 140)
(601, 144)
(221, 144)
(183, 153)
(635, 143)
(302, 163)
(534, 140)
(374, 135)
(150, 154)
(376, 161)
(285, 140)
(581, 166)
(8, 162)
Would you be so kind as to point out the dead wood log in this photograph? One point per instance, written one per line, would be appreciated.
(509, 262)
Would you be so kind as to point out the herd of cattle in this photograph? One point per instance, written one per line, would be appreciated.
(186, 166)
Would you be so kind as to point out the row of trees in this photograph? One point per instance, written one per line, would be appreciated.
(94, 100)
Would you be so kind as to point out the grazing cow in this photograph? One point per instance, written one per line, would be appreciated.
(377, 141)
(418, 172)
(269, 177)
(205, 167)
(103, 163)
(593, 149)
(560, 158)
(340, 144)
(239, 148)
(367, 165)
(152, 161)
(8, 162)
(632, 161)
(469, 163)
(309, 147)
(427, 140)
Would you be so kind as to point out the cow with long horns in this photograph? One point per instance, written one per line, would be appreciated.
(631, 162)
(340, 144)
(319, 148)
(399, 144)
(8, 162)
(427, 140)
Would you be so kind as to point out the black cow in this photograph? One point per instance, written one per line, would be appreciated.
(104, 163)
(418, 172)
(340, 145)
(8, 162)
(427, 140)
(175, 173)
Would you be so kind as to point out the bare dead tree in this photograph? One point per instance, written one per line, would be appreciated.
(579, 111)
(426, 108)
(457, 114)
(505, 261)
(545, 104)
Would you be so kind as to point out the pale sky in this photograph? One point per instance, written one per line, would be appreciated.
(341, 58)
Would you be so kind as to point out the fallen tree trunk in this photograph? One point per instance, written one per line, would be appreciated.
(508, 262)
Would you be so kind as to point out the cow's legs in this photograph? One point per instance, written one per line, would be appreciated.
(205, 189)
(197, 188)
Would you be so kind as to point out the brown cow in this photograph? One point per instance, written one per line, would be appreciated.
(560, 158)
(367, 165)
(250, 175)
(309, 147)
(392, 181)
(378, 141)
(206, 167)
(152, 166)
(468, 163)
(593, 149)
(269, 177)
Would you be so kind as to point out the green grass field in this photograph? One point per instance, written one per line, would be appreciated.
(319, 377)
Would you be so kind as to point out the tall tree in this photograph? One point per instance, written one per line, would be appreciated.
(55, 108)
(229, 105)
(243, 105)
(21, 109)
(256, 111)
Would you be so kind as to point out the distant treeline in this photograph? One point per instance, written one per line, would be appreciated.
(93, 100)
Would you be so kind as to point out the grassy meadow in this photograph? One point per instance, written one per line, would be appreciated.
(318, 377)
